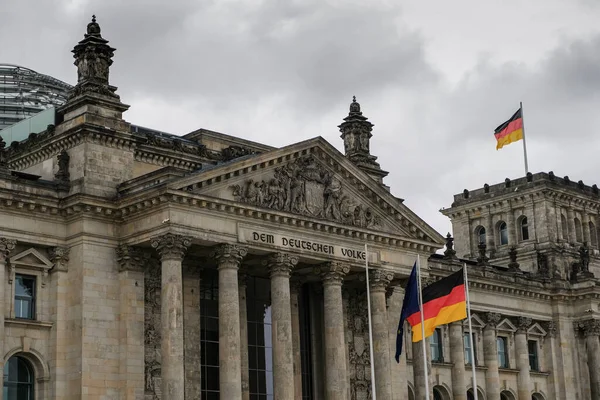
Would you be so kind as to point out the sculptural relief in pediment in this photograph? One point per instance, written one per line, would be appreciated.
(303, 186)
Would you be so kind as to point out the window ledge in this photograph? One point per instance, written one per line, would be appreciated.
(28, 323)
(539, 373)
(508, 370)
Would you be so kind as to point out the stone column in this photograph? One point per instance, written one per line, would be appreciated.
(171, 249)
(490, 356)
(191, 338)
(585, 222)
(332, 275)
(457, 356)
(551, 358)
(397, 369)
(378, 281)
(571, 224)
(592, 341)
(6, 246)
(131, 324)
(522, 352)
(280, 267)
(490, 233)
(419, 369)
(228, 258)
(242, 279)
(295, 285)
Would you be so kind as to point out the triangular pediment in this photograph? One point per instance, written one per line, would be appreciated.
(314, 180)
(31, 258)
(476, 322)
(536, 330)
(506, 325)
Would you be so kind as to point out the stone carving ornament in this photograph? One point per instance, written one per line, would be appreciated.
(152, 325)
(171, 246)
(358, 346)
(304, 187)
(6, 246)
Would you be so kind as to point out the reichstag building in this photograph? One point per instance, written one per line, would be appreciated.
(141, 265)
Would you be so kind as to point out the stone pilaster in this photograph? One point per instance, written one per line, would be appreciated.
(171, 249)
(131, 324)
(228, 258)
(551, 355)
(280, 267)
(571, 224)
(419, 369)
(191, 323)
(591, 328)
(59, 336)
(457, 356)
(585, 222)
(490, 356)
(6, 246)
(398, 369)
(332, 275)
(522, 352)
(490, 233)
(242, 280)
(295, 286)
(379, 280)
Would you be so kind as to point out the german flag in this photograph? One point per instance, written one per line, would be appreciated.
(510, 131)
(443, 302)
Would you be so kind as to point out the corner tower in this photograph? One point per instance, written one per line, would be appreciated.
(356, 133)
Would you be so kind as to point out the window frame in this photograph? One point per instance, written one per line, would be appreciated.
(472, 342)
(524, 228)
(536, 355)
(501, 235)
(30, 384)
(504, 341)
(439, 345)
(33, 297)
(480, 232)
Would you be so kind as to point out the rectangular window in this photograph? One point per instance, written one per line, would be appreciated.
(467, 345)
(435, 343)
(24, 296)
(533, 355)
(502, 352)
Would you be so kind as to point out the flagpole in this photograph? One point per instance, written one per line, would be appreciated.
(370, 328)
(524, 142)
(422, 327)
(471, 327)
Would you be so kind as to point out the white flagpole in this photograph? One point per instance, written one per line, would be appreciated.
(422, 327)
(524, 142)
(370, 328)
(470, 331)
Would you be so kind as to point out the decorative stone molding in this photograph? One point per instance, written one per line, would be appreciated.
(60, 257)
(333, 272)
(379, 279)
(170, 246)
(523, 323)
(281, 264)
(482, 258)
(229, 255)
(305, 187)
(30, 260)
(62, 175)
(449, 253)
(551, 328)
(131, 258)
(590, 327)
(6, 246)
(513, 265)
(492, 319)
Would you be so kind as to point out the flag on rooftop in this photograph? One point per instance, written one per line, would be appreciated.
(510, 131)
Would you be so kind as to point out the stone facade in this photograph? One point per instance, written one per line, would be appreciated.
(141, 265)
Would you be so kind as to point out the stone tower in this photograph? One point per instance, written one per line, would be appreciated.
(356, 133)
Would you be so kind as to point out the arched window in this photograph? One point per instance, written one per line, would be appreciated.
(506, 395)
(537, 396)
(440, 393)
(524, 229)
(18, 379)
(578, 231)
(437, 395)
(437, 354)
(471, 396)
(593, 235)
(503, 233)
(411, 393)
(565, 230)
(480, 234)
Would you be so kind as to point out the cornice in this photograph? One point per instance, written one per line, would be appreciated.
(140, 204)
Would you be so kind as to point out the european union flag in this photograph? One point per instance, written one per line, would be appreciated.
(409, 307)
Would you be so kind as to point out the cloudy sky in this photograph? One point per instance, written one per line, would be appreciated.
(434, 76)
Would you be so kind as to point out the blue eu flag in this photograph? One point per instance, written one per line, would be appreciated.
(409, 307)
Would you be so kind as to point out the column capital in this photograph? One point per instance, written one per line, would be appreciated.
(170, 246)
(60, 257)
(523, 323)
(281, 264)
(332, 273)
(229, 254)
(492, 319)
(591, 327)
(550, 327)
(379, 279)
(131, 258)
(6, 246)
